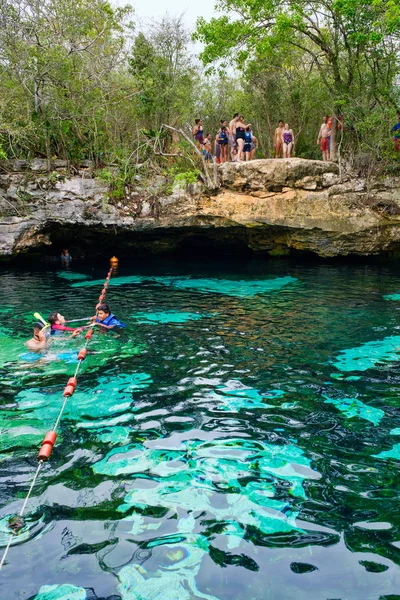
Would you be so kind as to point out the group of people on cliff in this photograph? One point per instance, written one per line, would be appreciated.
(237, 142)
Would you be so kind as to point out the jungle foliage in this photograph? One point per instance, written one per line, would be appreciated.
(79, 81)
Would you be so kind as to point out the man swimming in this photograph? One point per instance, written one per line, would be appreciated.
(39, 340)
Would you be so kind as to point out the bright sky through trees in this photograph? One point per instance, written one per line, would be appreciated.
(156, 9)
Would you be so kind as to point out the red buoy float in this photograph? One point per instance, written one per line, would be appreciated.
(82, 354)
(89, 334)
(73, 381)
(47, 445)
(70, 387)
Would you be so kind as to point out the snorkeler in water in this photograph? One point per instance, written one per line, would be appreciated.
(39, 340)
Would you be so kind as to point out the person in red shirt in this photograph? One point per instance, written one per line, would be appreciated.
(57, 323)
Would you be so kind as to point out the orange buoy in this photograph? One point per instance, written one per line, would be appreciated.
(73, 381)
(70, 387)
(68, 390)
(114, 261)
(47, 445)
(89, 334)
(104, 291)
(82, 354)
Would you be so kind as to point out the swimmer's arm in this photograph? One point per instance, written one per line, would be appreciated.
(76, 332)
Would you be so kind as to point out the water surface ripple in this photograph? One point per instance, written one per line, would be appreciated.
(239, 440)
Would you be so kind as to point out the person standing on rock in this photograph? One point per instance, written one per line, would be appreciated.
(278, 139)
(254, 145)
(396, 134)
(232, 133)
(241, 127)
(287, 141)
(323, 138)
(198, 133)
(248, 140)
(223, 141)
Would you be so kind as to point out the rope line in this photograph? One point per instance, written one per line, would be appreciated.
(64, 404)
(67, 395)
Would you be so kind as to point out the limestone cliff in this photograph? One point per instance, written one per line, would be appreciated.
(273, 206)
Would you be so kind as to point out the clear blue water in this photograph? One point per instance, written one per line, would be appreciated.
(239, 440)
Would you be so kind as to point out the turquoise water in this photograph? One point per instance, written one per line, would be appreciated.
(239, 440)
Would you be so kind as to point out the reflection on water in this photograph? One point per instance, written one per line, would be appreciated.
(237, 441)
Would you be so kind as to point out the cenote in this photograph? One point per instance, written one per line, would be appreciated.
(239, 440)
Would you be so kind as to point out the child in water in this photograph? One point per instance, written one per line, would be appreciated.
(106, 319)
(57, 323)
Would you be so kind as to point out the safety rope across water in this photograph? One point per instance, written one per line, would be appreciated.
(51, 436)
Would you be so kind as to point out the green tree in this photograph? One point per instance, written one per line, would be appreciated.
(352, 43)
(164, 74)
(61, 75)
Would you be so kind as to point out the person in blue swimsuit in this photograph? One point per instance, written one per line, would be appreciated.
(222, 141)
(396, 134)
(106, 319)
(66, 258)
(248, 140)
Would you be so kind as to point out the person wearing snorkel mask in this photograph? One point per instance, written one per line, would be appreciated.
(39, 340)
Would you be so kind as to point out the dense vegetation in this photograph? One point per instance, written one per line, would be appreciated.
(78, 81)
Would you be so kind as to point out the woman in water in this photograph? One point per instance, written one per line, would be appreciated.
(240, 136)
(287, 140)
